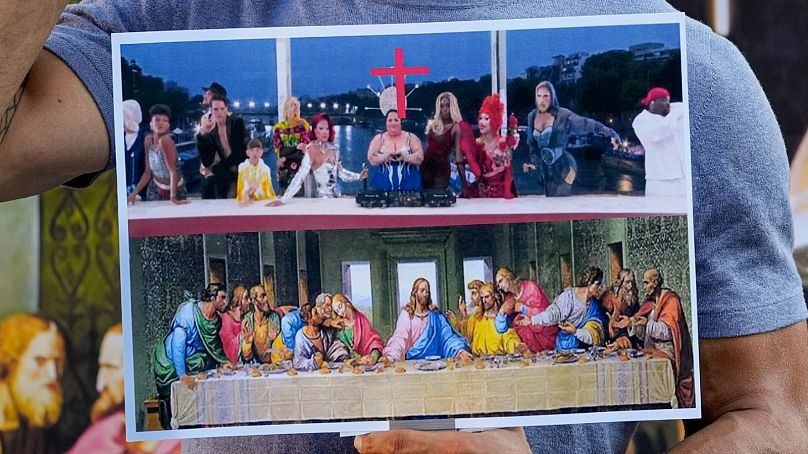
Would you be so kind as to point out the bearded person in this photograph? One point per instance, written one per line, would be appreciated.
(107, 433)
(192, 345)
(315, 344)
(261, 330)
(32, 352)
(422, 330)
(661, 324)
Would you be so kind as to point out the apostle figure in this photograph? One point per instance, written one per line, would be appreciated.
(32, 355)
(314, 344)
(481, 329)
(524, 298)
(231, 323)
(107, 431)
(662, 326)
(422, 330)
(577, 313)
(621, 298)
(192, 345)
(260, 330)
(359, 337)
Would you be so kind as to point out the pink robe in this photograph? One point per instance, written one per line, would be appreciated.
(536, 337)
(230, 333)
(108, 436)
(408, 330)
(365, 338)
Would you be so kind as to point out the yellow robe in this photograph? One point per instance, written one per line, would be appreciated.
(258, 175)
(485, 340)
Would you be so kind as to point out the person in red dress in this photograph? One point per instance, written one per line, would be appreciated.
(493, 165)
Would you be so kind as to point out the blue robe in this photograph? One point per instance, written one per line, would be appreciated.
(290, 325)
(568, 341)
(438, 339)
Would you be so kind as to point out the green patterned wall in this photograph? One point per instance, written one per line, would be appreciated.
(645, 237)
(79, 286)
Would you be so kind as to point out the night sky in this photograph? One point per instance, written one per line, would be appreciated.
(323, 66)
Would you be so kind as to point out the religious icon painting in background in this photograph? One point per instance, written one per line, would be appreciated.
(305, 277)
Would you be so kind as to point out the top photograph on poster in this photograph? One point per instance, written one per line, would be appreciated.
(401, 126)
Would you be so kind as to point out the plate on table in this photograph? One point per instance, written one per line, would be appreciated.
(636, 353)
(333, 365)
(431, 365)
(373, 368)
(565, 358)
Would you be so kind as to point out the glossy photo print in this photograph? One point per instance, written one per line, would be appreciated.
(315, 242)
(345, 330)
(429, 125)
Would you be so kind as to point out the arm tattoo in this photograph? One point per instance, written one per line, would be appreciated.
(8, 115)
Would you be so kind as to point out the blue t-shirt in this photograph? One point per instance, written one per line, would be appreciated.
(747, 281)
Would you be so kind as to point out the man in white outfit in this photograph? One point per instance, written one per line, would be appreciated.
(660, 128)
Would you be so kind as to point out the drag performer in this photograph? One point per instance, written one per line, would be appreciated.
(289, 139)
(447, 136)
(396, 156)
(549, 128)
(322, 160)
(492, 166)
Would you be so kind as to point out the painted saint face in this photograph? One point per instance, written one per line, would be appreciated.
(219, 110)
(255, 155)
(339, 308)
(262, 300)
(393, 123)
(35, 382)
(487, 299)
(325, 308)
(475, 296)
(484, 123)
(220, 302)
(422, 293)
(235, 312)
(110, 368)
(159, 124)
(628, 283)
(649, 283)
(445, 111)
(321, 131)
(593, 289)
(317, 316)
(504, 283)
(544, 99)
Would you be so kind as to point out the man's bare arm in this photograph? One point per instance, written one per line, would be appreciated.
(52, 130)
(754, 394)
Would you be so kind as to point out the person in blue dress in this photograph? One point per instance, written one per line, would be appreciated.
(549, 130)
(395, 156)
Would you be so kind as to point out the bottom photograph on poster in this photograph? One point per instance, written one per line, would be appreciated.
(567, 321)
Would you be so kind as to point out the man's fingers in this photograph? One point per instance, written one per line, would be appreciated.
(412, 441)
(398, 441)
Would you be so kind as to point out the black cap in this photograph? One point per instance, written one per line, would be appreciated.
(216, 87)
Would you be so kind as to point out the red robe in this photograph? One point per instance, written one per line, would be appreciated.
(669, 311)
(365, 338)
(468, 146)
(537, 338)
(229, 332)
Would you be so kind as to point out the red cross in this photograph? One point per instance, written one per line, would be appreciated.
(400, 71)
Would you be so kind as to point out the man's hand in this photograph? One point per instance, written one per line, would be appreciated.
(567, 327)
(754, 393)
(507, 308)
(188, 381)
(413, 441)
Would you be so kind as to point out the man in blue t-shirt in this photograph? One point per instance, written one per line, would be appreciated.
(753, 337)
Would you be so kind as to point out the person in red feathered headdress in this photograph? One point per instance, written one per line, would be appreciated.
(493, 165)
